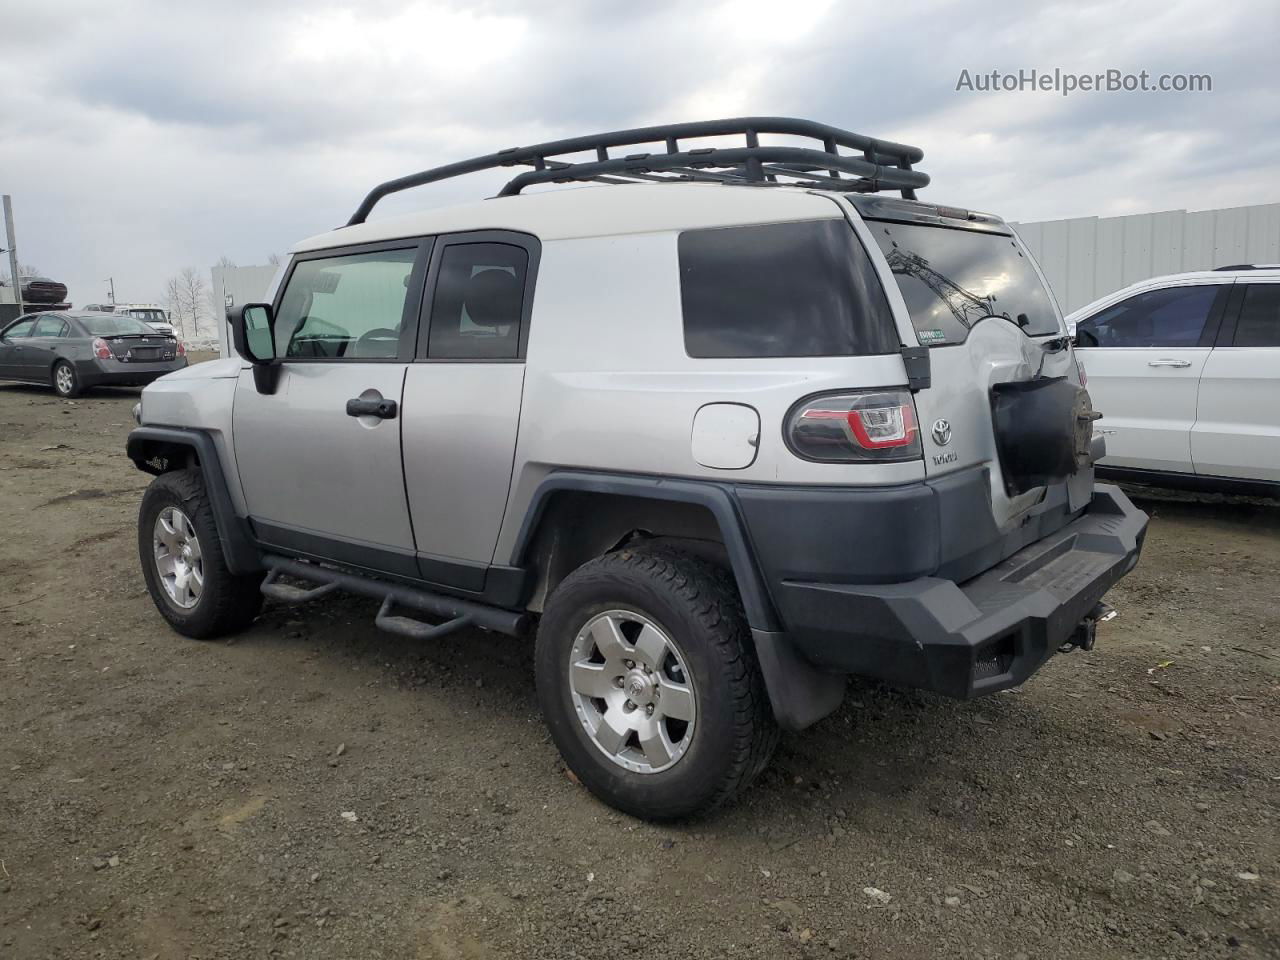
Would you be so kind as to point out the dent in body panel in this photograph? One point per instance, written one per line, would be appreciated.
(994, 352)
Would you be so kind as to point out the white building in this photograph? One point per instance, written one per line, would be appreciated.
(234, 287)
(1087, 257)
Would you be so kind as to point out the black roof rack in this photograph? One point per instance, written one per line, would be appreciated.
(879, 165)
(1247, 266)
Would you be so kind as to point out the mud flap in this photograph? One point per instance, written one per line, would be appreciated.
(800, 694)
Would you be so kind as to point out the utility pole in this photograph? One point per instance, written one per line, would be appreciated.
(112, 282)
(13, 254)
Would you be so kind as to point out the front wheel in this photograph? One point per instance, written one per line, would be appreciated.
(182, 561)
(649, 684)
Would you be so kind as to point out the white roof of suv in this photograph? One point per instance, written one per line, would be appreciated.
(591, 211)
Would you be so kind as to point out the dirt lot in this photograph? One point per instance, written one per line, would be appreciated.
(164, 798)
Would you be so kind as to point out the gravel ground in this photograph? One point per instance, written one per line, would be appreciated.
(316, 788)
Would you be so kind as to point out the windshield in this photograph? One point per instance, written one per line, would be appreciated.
(115, 325)
(952, 278)
(150, 316)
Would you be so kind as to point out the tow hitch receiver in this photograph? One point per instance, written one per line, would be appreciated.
(1085, 634)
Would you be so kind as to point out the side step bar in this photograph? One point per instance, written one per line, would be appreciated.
(287, 593)
(455, 613)
(416, 629)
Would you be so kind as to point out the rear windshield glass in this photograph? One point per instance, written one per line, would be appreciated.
(951, 279)
(782, 290)
(114, 325)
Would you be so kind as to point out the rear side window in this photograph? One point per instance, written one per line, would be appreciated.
(1172, 317)
(782, 290)
(48, 326)
(479, 301)
(1259, 323)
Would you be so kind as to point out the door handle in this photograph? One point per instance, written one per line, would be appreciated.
(373, 407)
(1168, 363)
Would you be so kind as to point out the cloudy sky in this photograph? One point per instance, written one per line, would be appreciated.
(138, 137)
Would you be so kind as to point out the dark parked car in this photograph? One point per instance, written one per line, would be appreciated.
(43, 290)
(74, 351)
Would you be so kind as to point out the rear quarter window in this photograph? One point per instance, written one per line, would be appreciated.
(782, 290)
(1259, 323)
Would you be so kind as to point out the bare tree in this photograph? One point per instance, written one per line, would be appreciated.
(188, 297)
(24, 269)
(224, 261)
(195, 296)
(173, 297)
(274, 259)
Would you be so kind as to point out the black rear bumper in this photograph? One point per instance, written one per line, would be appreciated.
(984, 634)
(113, 373)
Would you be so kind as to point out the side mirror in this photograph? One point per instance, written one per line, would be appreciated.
(253, 333)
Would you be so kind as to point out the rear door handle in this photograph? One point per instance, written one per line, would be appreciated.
(372, 407)
(1168, 363)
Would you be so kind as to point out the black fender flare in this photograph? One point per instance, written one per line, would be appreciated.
(799, 693)
(715, 497)
(148, 446)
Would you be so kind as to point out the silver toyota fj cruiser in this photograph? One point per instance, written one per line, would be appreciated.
(721, 426)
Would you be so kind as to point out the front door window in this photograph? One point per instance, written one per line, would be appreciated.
(345, 308)
(1171, 317)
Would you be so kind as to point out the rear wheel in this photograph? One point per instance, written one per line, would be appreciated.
(182, 561)
(65, 381)
(649, 683)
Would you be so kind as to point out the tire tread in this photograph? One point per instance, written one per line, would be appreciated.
(235, 600)
(709, 594)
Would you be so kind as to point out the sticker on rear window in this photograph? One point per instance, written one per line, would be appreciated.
(931, 336)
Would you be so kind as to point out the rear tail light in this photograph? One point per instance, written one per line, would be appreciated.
(845, 427)
(100, 349)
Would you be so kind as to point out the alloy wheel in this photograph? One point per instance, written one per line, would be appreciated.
(632, 691)
(178, 558)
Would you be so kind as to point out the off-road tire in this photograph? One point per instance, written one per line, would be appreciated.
(71, 392)
(698, 604)
(228, 603)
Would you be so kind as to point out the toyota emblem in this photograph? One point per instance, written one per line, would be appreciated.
(941, 432)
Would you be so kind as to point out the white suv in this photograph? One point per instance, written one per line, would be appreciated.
(720, 439)
(154, 316)
(1187, 368)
